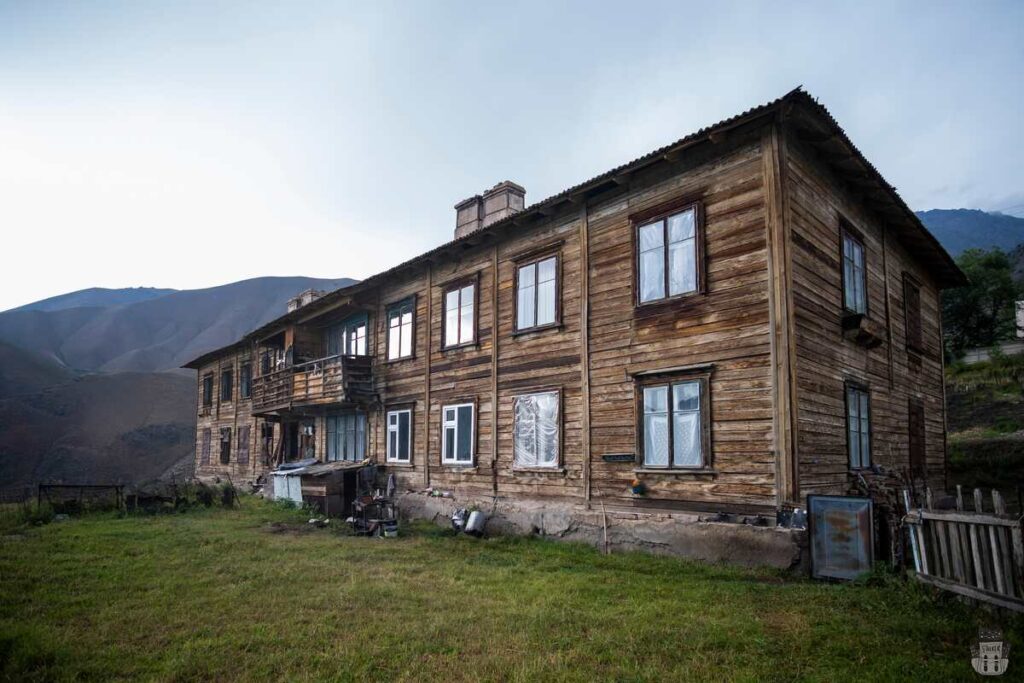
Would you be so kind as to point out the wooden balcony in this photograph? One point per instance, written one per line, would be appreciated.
(320, 382)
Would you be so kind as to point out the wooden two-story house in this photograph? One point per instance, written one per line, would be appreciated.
(726, 324)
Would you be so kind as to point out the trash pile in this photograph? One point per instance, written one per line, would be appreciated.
(469, 522)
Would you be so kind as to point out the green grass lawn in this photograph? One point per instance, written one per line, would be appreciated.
(254, 593)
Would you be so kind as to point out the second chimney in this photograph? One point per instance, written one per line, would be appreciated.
(479, 211)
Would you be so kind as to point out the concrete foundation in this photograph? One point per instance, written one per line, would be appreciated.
(668, 532)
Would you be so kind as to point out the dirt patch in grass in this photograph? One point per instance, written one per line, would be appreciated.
(290, 528)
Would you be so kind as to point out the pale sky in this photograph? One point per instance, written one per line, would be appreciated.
(188, 144)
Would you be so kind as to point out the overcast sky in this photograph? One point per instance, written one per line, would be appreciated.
(184, 145)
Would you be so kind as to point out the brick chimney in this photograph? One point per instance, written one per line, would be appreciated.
(303, 298)
(479, 211)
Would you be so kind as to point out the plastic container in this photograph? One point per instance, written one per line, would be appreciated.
(475, 523)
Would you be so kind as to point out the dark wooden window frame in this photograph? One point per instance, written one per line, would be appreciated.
(356, 413)
(225, 450)
(243, 438)
(388, 310)
(916, 404)
(668, 378)
(227, 388)
(399, 408)
(454, 403)
(864, 387)
(662, 212)
(846, 230)
(207, 397)
(345, 326)
(206, 446)
(451, 286)
(912, 343)
(532, 259)
(559, 466)
(242, 392)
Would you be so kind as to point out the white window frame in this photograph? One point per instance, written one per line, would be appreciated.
(558, 432)
(446, 424)
(395, 429)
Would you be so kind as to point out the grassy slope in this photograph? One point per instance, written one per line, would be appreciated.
(986, 425)
(222, 595)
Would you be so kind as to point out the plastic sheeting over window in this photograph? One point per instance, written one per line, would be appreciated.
(535, 431)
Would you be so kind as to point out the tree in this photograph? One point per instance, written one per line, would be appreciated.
(982, 313)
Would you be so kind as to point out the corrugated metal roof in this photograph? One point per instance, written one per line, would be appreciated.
(950, 275)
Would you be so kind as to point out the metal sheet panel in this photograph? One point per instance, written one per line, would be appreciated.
(842, 536)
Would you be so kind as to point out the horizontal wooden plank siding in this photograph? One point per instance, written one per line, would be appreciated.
(893, 373)
(726, 327)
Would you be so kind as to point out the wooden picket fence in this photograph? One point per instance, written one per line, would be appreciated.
(974, 553)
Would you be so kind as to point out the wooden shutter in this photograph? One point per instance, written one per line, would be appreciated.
(243, 445)
(204, 454)
(225, 445)
(912, 312)
(917, 445)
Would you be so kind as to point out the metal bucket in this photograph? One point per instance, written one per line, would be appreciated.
(390, 529)
(475, 523)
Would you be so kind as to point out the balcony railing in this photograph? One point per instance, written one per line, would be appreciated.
(334, 379)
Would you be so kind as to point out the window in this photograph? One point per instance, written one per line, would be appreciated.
(400, 329)
(855, 297)
(459, 315)
(668, 255)
(348, 338)
(207, 390)
(537, 293)
(535, 430)
(245, 381)
(675, 424)
(457, 434)
(917, 438)
(858, 426)
(266, 362)
(243, 445)
(204, 453)
(346, 437)
(912, 312)
(225, 445)
(399, 435)
(226, 390)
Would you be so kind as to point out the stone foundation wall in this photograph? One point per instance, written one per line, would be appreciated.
(668, 532)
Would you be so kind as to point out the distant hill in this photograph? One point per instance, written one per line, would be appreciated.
(156, 333)
(124, 427)
(95, 297)
(960, 229)
(24, 372)
(85, 395)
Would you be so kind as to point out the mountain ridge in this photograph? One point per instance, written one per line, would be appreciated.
(157, 333)
(93, 297)
(961, 229)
